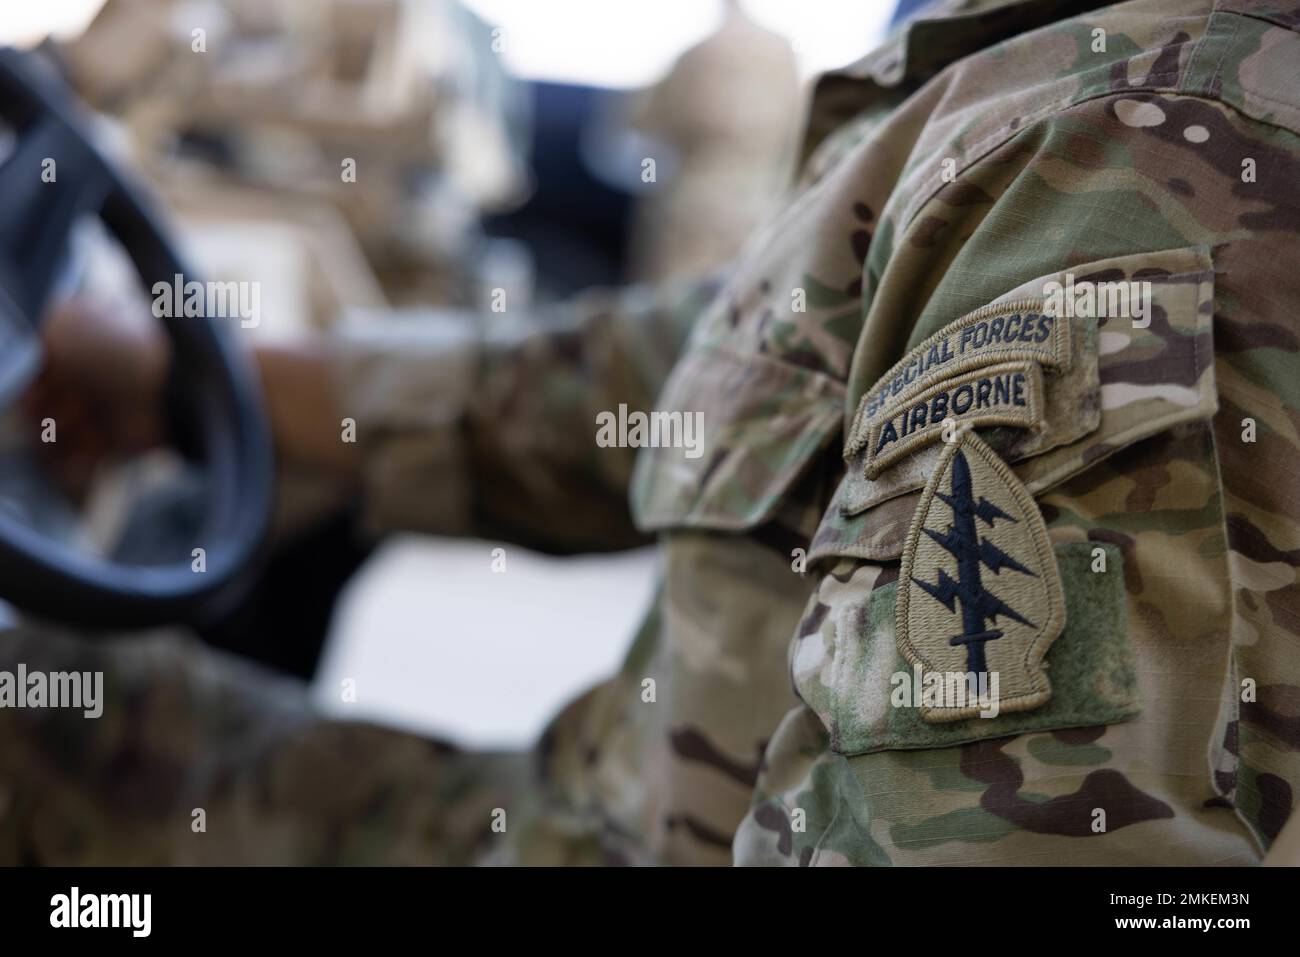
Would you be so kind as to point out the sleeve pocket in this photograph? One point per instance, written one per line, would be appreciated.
(762, 422)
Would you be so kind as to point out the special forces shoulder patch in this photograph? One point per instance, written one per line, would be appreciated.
(979, 593)
(1006, 394)
(1008, 332)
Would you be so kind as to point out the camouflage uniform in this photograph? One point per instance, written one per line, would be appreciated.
(954, 172)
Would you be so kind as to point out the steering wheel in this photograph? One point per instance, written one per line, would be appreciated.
(213, 405)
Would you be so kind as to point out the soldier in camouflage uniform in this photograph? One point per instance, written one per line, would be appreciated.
(1106, 508)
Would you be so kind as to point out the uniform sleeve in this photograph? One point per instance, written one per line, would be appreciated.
(1160, 517)
(487, 425)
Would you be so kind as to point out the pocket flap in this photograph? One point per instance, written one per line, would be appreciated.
(762, 422)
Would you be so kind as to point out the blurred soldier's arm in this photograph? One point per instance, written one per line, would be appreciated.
(458, 425)
(438, 425)
(471, 427)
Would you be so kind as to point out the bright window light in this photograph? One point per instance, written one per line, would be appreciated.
(627, 43)
(23, 24)
(825, 34)
(615, 43)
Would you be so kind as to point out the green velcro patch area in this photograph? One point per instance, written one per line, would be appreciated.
(1091, 668)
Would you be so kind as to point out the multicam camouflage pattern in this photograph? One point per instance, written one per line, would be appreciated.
(1119, 161)
(185, 729)
(1128, 164)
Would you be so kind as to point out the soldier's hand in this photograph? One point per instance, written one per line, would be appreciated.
(100, 387)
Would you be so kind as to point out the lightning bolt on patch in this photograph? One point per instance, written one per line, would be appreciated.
(979, 591)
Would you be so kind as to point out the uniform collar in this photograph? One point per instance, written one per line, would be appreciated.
(946, 31)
